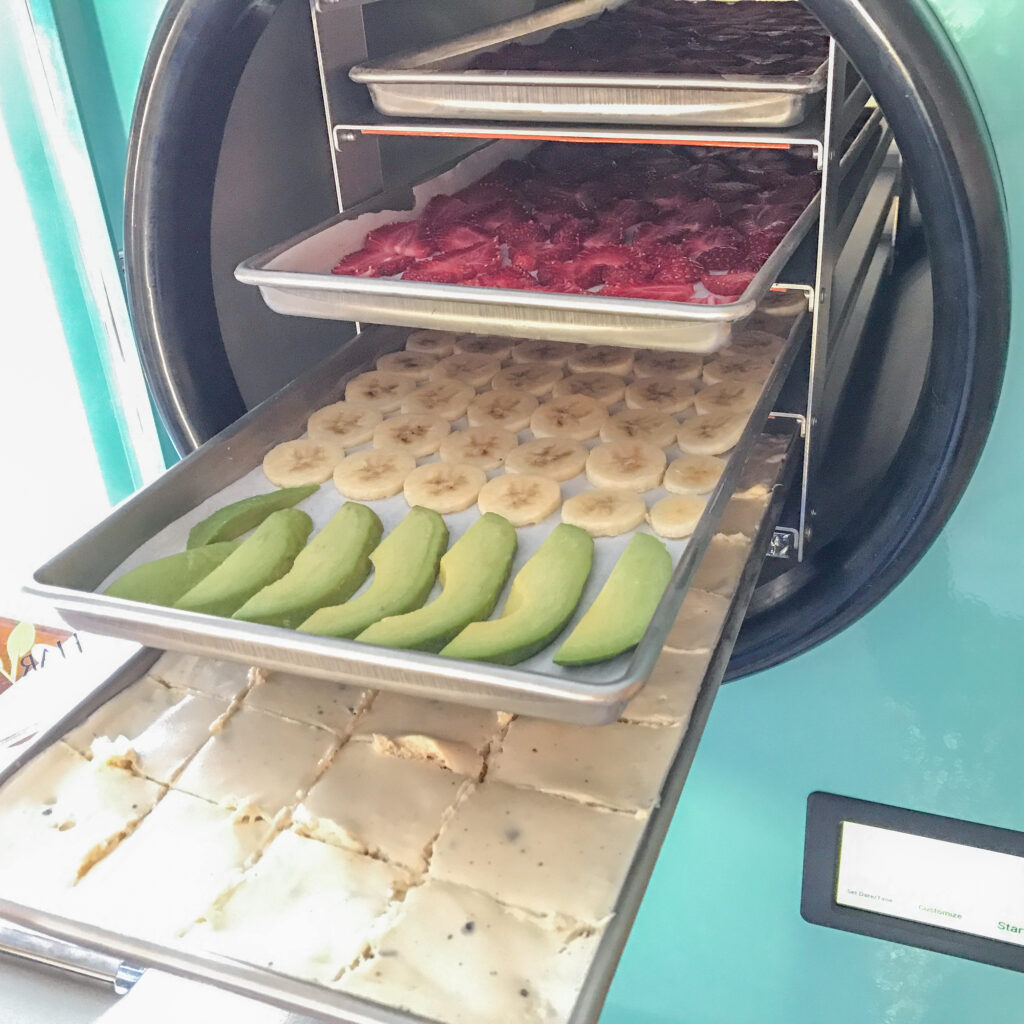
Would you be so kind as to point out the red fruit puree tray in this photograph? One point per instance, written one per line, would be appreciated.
(620, 244)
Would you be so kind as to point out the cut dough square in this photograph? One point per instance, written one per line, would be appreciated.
(223, 679)
(258, 762)
(59, 815)
(372, 802)
(172, 867)
(127, 713)
(699, 622)
(536, 851)
(322, 702)
(671, 691)
(620, 766)
(453, 735)
(457, 956)
(304, 908)
(722, 564)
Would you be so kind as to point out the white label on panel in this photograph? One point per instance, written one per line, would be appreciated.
(962, 888)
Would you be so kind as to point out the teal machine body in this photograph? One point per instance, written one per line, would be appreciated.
(916, 701)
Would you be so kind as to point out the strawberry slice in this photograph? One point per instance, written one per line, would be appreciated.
(515, 233)
(727, 284)
(638, 270)
(609, 234)
(720, 257)
(402, 238)
(499, 216)
(676, 270)
(557, 274)
(451, 268)
(627, 212)
(446, 210)
(505, 277)
(371, 263)
(660, 292)
(453, 237)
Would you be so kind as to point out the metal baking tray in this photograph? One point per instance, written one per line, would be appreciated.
(434, 82)
(295, 278)
(590, 694)
(776, 462)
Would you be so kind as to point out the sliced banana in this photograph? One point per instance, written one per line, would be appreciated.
(436, 343)
(661, 393)
(756, 343)
(693, 474)
(505, 408)
(605, 388)
(574, 416)
(648, 425)
(467, 368)
(304, 461)
(344, 424)
(444, 486)
(378, 389)
(521, 498)
(535, 379)
(418, 433)
(677, 515)
(414, 365)
(447, 398)
(375, 473)
(785, 303)
(737, 368)
(729, 396)
(556, 457)
(656, 363)
(633, 465)
(485, 447)
(606, 358)
(555, 353)
(606, 512)
(485, 345)
(711, 434)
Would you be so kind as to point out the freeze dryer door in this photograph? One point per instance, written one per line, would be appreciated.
(229, 154)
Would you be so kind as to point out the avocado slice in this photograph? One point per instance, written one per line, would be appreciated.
(233, 520)
(260, 559)
(328, 570)
(472, 576)
(404, 569)
(541, 600)
(616, 620)
(164, 580)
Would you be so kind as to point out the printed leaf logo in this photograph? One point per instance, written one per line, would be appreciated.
(20, 642)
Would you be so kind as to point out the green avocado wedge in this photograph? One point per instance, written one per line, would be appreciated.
(264, 556)
(164, 580)
(327, 571)
(233, 520)
(404, 569)
(541, 600)
(472, 576)
(616, 620)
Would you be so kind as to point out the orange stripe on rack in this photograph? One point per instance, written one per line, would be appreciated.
(717, 144)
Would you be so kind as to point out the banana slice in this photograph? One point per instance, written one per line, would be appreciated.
(344, 424)
(756, 343)
(786, 303)
(447, 398)
(554, 353)
(304, 461)
(379, 390)
(677, 515)
(444, 486)
(418, 433)
(711, 434)
(375, 473)
(661, 393)
(414, 365)
(606, 512)
(436, 343)
(656, 363)
(535, 379)
(522, 498)
(556, 457)
(605, 388)
(632, 465)
(729, 396)
(737, 368)
(574, 416)
(693, 474)
(467, 368)
(657, 428)
(510, 410)
(485, 345)
(606, 358)
(485, 447)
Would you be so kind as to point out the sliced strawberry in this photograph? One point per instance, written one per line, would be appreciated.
(638, 270)
(627, 212)
(558, 273)
(609, 234)
(482, 195)
(403, 238)
(514, 233)
(453, 237)
(755, 217)
(761, 244)
(731, 191)
(446, 210)
(679, 270)
(529, 255)
(449, 268)
(721, 257)
(371, 263)
(570, 231)
(660, 292)
(505, 277)
(727, 284)
(509, 212)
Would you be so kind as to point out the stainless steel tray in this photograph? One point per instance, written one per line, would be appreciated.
(591, 694)
(295, 278)
(433, 82)
(775, 465)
